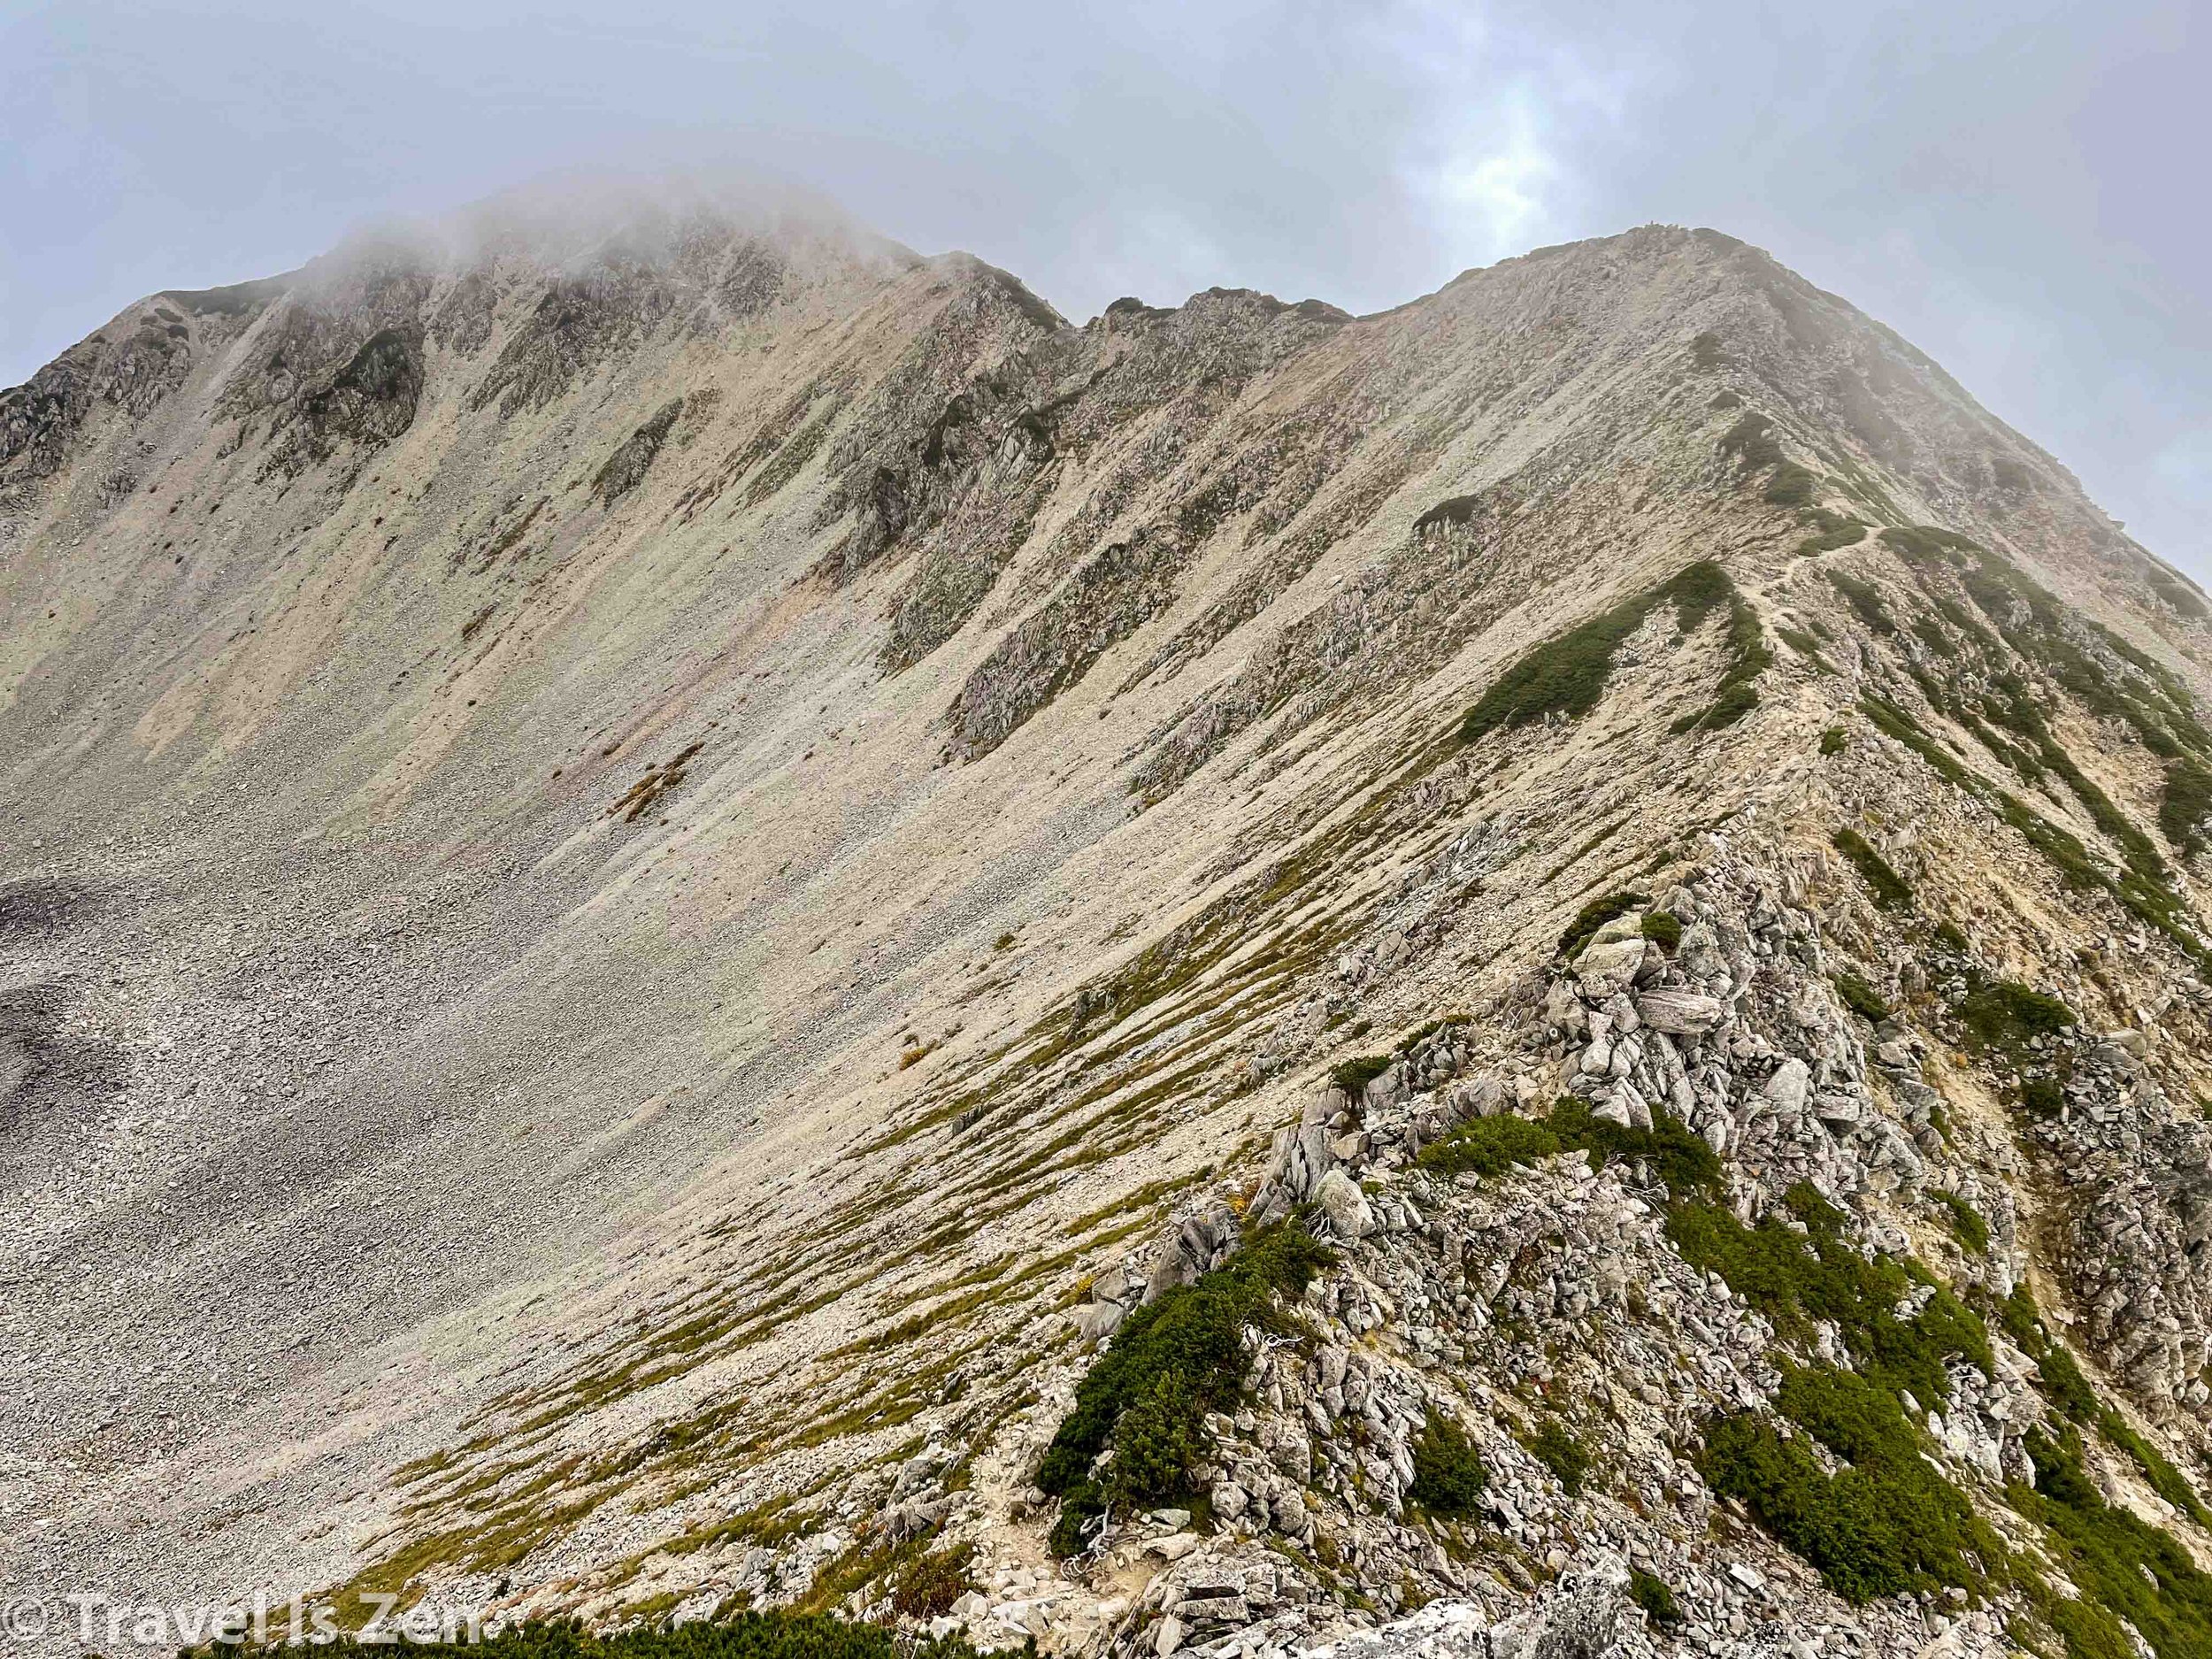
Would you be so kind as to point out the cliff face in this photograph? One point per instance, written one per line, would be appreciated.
(658, 877)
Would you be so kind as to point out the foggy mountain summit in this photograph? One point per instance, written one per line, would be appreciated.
(701, 914)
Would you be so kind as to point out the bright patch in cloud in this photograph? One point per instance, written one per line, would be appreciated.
(1498, 115)
(1489, 192)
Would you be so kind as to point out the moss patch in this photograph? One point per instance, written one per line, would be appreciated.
(1449, 1475)
(1885, 1524)
(1967, 1225)
(1860, 998)
(745, 1636)
(1593, 916)
(1552, 1445)
(1567, 675)
(1490, 1145)
(1891, 890)
(1172, 1362)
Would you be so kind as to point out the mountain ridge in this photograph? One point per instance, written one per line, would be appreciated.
(648, 876)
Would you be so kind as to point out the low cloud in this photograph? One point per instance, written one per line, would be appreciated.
(2012, 189)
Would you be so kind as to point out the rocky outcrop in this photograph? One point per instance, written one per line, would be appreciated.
(130, 366)
(368, 403)
(626, 468)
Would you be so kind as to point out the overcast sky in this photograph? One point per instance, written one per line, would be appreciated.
(2018, 185)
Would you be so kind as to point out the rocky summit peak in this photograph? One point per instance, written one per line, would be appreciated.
(700, 915)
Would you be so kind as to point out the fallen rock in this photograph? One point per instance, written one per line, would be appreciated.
(1607, 966)
(1678, 1011)
(1786, 1089)
(1340, 1199)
